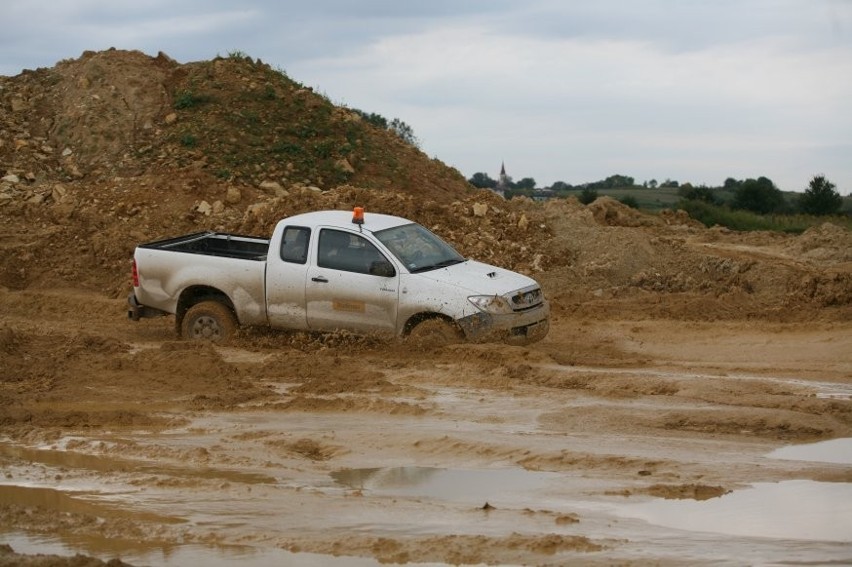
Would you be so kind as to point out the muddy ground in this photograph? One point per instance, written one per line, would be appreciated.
(643, 429)
(121, 441)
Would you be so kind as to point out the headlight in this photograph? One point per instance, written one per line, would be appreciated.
(493, 304)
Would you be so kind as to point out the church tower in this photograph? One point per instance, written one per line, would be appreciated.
(503, 181)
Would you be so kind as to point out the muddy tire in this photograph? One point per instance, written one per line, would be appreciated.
(434, 333)
(208, 321)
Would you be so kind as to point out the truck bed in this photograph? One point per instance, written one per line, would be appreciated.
(216, 244)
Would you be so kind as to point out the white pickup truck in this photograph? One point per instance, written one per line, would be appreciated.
(335, 270)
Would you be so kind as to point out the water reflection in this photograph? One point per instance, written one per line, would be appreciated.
(455, 485)
(795, 509)
(114, 464)
(395, 477)
(55, 500)
(834, 451)
(220, 556)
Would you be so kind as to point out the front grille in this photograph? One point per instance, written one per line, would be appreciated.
(526, 299)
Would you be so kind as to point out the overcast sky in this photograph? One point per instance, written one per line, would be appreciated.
(561, 90)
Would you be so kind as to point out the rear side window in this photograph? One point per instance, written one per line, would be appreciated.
(294, 244)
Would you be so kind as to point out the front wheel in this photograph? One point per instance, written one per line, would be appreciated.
(433, 333)
(210, 321)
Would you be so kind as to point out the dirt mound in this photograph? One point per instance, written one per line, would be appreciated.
(123, 113)
(826, 243)
(609, 212)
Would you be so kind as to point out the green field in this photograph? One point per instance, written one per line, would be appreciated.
(648, 199)
(655, 200)
(666, 198)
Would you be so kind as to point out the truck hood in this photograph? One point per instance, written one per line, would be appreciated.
(478, 278)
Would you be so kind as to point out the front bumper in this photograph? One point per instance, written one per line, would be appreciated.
(519, 328)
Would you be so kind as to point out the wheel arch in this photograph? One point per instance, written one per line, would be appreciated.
(196, 294)
(418, 318)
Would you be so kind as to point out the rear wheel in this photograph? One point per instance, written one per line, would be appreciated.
(208, 321)
(433, 333)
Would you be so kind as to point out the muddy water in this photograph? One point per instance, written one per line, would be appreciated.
(834, 451)
(795, 509)
(73, 503)
(455, 471)
(800, 510)
(821, 389)
(767, 522)
(179, 555)
(790, 511)
(477, 487)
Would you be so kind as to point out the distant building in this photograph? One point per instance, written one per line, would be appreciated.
(503, 182)
(543, 194)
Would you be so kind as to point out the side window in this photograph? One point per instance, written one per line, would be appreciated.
(294, 244)
(339, 250)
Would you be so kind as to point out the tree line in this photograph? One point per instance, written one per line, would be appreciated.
(397, 126)
(759, 195)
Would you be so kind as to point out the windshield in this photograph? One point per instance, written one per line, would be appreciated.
(417, 248)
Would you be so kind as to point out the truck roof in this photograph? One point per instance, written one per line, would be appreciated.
(343, 219)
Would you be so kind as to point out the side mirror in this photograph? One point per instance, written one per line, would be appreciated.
(382, 268)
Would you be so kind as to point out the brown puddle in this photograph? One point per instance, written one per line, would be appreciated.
(166, 556)
(795, 509)
(837, 451)
(59, 501)
(75, 460)
(792, 510)
(455, 485)
(825, 390)
(768, 523)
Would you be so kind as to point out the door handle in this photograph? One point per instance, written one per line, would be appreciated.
(319, 279)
